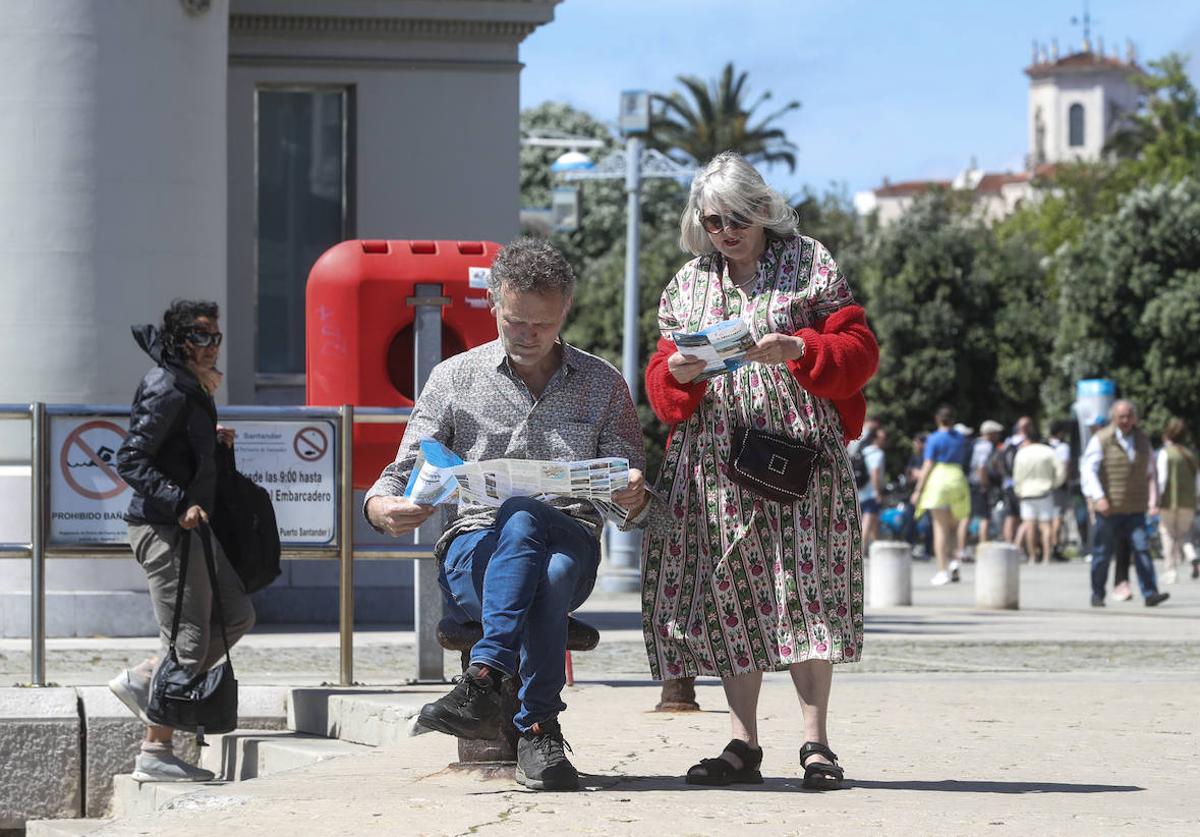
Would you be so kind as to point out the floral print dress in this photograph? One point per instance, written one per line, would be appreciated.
(732, 582)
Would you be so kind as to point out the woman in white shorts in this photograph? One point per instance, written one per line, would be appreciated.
(1037, 471)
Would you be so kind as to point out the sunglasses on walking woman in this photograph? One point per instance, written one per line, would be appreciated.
(204, 339)
(716, 223)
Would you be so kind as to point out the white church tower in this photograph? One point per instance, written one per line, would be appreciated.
(1078, 101)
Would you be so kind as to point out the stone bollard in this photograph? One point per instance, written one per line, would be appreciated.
(678, 695)
(891, 574)
(997, 576)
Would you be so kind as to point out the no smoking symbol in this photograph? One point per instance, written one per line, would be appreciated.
(310, 443)
(87, 458)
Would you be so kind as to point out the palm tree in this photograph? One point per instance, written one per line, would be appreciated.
(716, 119)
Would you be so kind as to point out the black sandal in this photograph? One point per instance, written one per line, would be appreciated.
(819, 775)
(718, 771)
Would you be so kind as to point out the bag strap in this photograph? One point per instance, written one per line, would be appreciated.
(210, 565)
(183, 571)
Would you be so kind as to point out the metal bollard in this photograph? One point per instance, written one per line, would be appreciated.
(997, 576)
(891, 574)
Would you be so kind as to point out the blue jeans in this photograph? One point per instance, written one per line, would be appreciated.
(1109, 532)
(519, 580)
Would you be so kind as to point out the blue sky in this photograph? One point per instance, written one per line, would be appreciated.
(900, 88)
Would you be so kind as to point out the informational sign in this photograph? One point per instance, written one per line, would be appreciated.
(87, 497)
(295, 461)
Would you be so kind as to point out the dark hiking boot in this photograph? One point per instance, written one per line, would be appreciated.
(541, 761)
(471, 709)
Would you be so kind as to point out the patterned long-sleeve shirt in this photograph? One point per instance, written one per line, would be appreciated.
(475, 404)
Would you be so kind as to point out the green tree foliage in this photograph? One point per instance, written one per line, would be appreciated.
(707, 118)
(1162, 140)
(602, 220)
(597, 319)
(1022, 323)
(931, 306)
(554, 120)
(1130, 303)
(597, 249)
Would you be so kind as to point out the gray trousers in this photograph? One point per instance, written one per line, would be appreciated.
(198, 646)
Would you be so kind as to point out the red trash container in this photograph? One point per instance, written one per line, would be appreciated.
(359, 340)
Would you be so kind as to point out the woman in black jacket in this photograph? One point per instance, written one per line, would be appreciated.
(171, 459)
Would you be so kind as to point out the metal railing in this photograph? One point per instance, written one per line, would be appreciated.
(40, 547)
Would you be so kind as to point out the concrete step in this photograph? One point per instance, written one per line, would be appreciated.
(132, 798)
(250, 754)
(63, 828)
(373, 717)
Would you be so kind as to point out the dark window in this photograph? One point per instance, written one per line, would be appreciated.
(301, 168)
(1075, 126)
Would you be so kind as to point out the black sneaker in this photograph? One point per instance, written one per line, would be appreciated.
(1097, 601)
(470, 710)
(541, 762)
(1156, 599)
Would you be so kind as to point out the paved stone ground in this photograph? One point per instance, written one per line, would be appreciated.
(1055, 630)
(1054, 719)
(953, 754)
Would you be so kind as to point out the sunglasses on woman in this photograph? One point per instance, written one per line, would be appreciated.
(717, 223)
(204, 339)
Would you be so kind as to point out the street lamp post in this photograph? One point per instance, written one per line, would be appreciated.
(624, 548)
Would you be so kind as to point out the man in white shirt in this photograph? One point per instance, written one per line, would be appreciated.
(1118, 476)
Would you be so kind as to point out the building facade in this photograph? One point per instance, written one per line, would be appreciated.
(154, 149)
(1076, 103)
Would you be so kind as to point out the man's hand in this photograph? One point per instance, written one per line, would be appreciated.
(397, 515)
(1102, 507)
(633, 496)
(193, 517)
(226, 435)
(776, 348)
(685, 368)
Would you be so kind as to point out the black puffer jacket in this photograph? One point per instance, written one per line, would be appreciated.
(170, 457)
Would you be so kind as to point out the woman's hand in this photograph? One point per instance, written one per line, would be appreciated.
(776, 348)
(193, 517)
(685, 368)
(226, 435)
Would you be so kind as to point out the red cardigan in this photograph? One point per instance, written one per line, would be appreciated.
(840, 356)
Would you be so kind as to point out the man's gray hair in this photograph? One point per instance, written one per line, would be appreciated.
(534, 265)
(1122, 402)
(729, 185)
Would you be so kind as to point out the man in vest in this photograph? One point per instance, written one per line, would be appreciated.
(1118, 476)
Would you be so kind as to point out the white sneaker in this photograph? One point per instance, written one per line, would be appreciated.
(133, 690)
(954, 565)
(940, 578)
(168, 767)
(1170, 576)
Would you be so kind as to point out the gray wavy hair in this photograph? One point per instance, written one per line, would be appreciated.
(531, 264)
(728, 185)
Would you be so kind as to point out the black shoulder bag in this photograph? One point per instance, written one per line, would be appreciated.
(204, 702)
(776, 467)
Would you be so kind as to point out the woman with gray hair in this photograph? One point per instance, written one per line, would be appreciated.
(742, 580)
